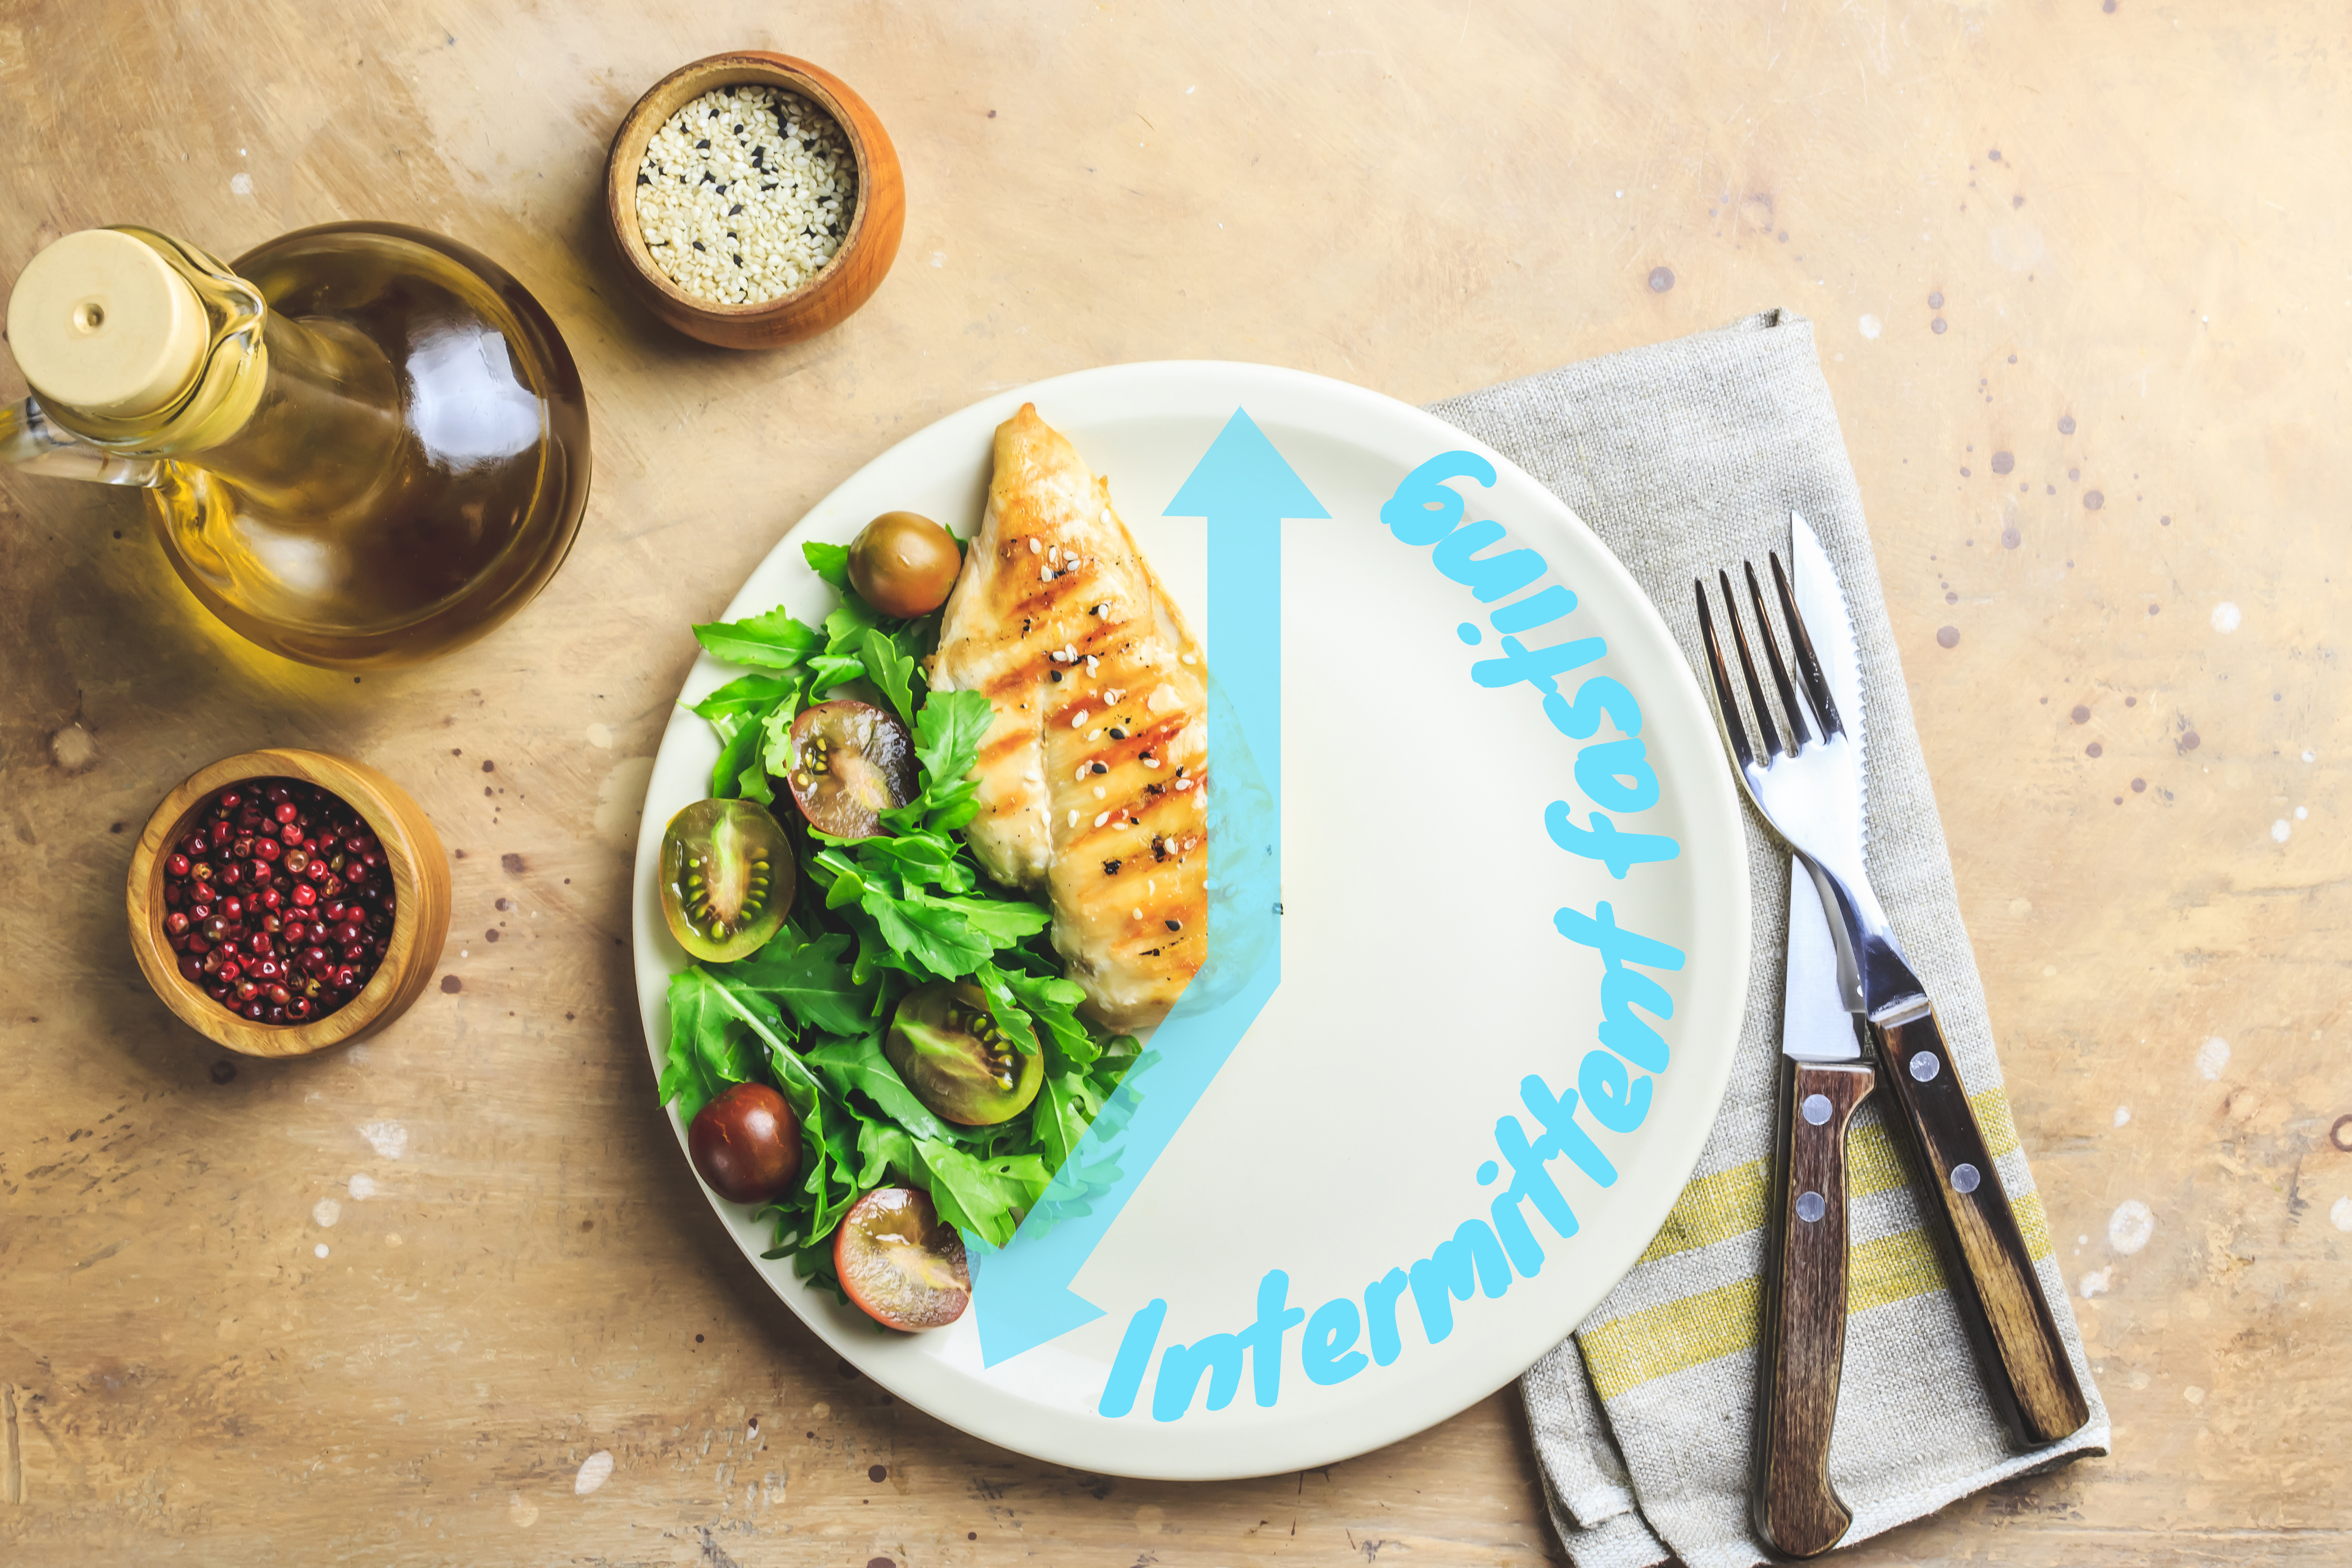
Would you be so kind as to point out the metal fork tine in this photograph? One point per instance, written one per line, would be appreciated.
(1772, 747)
(1809, 664)
(1725, 702)
(1800, 736)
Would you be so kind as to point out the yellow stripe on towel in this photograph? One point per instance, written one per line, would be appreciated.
(1626, 1352)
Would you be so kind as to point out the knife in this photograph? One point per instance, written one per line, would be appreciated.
(1824, 1079)
(2028, 1374)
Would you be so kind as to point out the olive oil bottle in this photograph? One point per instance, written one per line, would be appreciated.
(363, 445)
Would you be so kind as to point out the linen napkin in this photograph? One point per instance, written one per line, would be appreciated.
(1684, 457)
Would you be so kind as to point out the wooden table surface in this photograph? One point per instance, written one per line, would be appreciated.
(2079, 280)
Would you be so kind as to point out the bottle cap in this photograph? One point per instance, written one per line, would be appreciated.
(101, 323)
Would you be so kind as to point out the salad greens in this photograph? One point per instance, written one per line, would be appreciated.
(808, 1012)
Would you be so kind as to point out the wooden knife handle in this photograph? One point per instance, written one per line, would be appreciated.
(1802, 1349)
(2026, 1370)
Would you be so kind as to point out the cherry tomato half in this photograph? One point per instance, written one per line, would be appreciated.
(746, 1143)
(903, 1267)
(904, 564)
(948, 1049)
(850, 762)
(727, 877)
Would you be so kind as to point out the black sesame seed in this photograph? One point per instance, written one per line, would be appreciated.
(1100, 768)
(700, 246)
(1174, 925)
(703, 143)
(645, 179)
(1054, 673)
(736, 208)
(1117, 733)
(738, 261)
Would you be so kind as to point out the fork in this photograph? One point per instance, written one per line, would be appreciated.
(1807, 785)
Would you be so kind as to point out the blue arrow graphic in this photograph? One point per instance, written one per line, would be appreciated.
(1021, 1294)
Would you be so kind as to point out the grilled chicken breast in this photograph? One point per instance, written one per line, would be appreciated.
(1091, 779)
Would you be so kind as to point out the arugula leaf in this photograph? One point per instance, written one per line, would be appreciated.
(828, 670)
(1053, 1003)
(918, 859)
(948, 735)
(860, 1065)
(738, 757)
(891, 668)
(885, 1151)
(746, 696)
(830, 562)
(1003, 923)
(771, 641)
(704, 1055)
(935, 936)
(1005, 1008)
(776, 732)
(1060, 1116)
(811, 982)
(979, 1194)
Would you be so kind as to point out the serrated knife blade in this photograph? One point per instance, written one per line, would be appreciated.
(1817, 1005)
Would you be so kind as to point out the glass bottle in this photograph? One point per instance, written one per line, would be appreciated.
(363, 446)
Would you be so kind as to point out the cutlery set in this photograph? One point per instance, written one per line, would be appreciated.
(1854, 1017)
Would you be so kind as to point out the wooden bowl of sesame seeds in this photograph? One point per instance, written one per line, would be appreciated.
(776, 230)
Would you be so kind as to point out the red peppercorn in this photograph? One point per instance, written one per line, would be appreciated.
(295, 849)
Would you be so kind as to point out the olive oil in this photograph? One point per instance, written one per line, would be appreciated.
(381, 453)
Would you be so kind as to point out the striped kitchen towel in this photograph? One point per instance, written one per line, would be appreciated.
(1682, 457)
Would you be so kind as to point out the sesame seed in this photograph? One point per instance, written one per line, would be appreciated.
(1183, 784)
(1074, 816)
(1045, 573)
(784, 233)
(1101, 794)
(1184, 659)
(1084, 768)
(1080, 720)
(1054, 553)
(1035, 545)
(1152, 762)
(1139, 914)
(1103, 819)
(1105, 516)
(1095, 735)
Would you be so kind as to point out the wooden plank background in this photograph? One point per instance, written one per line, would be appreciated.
(2105, 238)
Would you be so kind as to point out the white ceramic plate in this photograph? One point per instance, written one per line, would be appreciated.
(1424, 976)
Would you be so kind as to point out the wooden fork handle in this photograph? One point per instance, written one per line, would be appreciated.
(1802, 1350)
(2026, 1370)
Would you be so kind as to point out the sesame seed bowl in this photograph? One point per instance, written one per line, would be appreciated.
(755, 200)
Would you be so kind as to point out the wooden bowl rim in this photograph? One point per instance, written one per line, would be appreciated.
(379, 802)
(732, 69)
